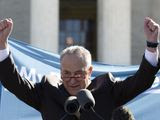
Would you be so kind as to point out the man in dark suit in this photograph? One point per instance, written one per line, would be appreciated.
(49, 96)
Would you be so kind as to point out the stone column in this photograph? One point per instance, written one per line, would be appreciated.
(140, 9)
(155, 10)
(45, 24)
(114, 31)
(19, 11)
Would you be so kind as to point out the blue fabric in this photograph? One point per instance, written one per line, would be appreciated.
(33, 63)
(0, 93)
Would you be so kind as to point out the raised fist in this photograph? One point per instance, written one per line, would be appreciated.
(151, 29)
(5, 30)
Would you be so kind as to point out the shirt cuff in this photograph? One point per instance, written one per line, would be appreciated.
(4, 54)
(152, 57)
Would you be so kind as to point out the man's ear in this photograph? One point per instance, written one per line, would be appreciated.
(90, 69)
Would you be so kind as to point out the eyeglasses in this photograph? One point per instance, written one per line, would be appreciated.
(80, 75)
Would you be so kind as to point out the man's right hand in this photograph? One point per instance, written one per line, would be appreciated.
(5, 30)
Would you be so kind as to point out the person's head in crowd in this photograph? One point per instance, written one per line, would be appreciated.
(69, 41)
(122, 113)
(76, 68)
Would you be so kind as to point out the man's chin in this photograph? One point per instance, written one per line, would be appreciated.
(74, 92)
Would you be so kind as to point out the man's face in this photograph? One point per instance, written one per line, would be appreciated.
(74, 74)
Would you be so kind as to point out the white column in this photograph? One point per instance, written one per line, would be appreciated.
(45, 24)
(114, 32)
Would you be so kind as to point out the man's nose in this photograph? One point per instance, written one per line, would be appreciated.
(72, 80)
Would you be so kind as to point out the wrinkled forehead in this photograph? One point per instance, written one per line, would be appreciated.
(72, 62)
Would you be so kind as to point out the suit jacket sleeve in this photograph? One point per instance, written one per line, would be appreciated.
(22, 88)
(123, 91)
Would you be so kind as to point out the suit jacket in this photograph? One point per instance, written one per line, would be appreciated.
(48, 96)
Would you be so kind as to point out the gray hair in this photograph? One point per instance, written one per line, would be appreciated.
(80, 51)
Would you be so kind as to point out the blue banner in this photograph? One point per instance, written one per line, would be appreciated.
(33, 63)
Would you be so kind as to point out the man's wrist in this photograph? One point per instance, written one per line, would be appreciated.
(153, 50)
(152, 44)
